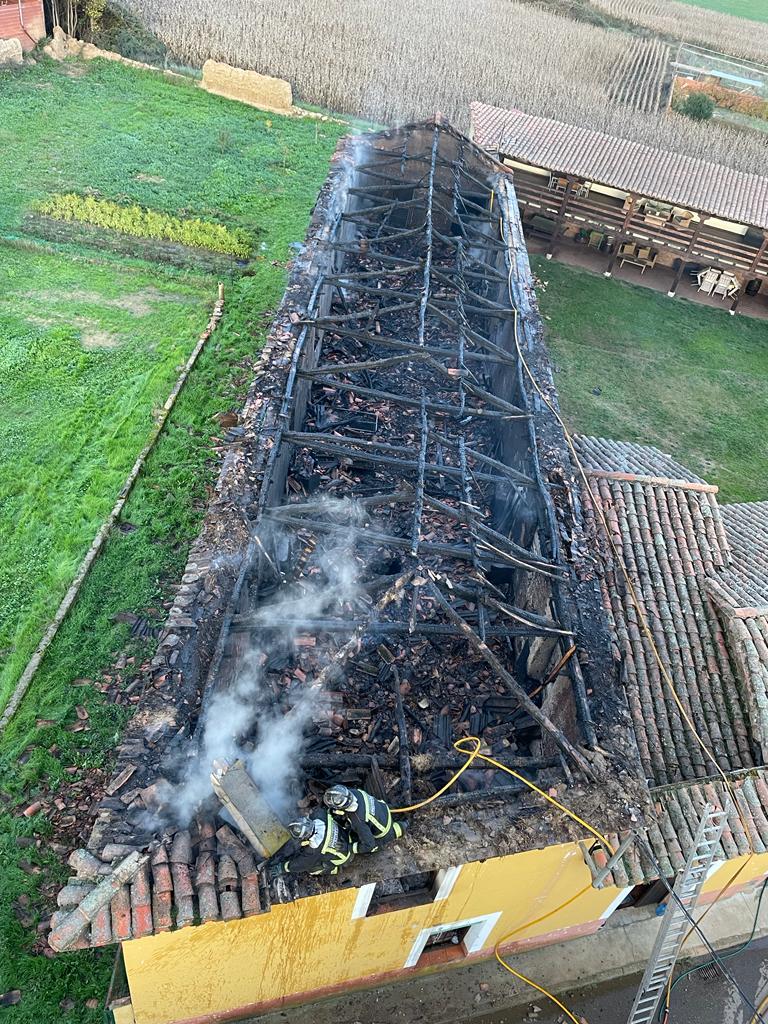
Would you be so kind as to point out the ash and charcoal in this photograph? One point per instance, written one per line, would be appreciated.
(406, 457)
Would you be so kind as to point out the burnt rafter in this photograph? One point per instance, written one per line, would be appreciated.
(405, 441)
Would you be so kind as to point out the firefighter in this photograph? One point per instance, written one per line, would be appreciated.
(368, 819)
(320, 846)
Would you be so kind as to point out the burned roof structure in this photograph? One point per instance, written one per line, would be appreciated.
(395, 558)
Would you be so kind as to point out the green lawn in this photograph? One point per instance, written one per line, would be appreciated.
(88, 351)
(754, 9)
(634, 365)
(86, 354)
(89, 345)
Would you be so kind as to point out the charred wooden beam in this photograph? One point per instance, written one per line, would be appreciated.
(512, 685)
(418, 501)
(367, 454)
(371, 537)
(439, 408)
(421, 764)
(402, 733)
(394, 627)
(329, 672)
(427, 281)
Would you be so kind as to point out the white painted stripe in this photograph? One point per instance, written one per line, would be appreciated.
(363, 901)
(477, 936)
(616, 903)
(713, 867)
(446, 879)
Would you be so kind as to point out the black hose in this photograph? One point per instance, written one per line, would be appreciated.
(724, 956)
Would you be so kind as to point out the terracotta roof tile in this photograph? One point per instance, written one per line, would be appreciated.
(747, 529)
(620, 163)
(679, 809)
(670, 538)
(604, 454)
(165, 891)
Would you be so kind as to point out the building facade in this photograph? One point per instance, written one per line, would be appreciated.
(23, 20)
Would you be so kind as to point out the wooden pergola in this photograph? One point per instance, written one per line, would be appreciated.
(551, 206)
(632, 202)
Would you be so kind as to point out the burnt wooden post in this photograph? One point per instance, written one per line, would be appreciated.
(622, 235)
(689, 249)
(570, 182)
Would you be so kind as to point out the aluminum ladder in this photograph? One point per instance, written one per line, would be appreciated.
(675, 925)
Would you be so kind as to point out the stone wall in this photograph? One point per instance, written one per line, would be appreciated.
(257, 90)
(10, 52)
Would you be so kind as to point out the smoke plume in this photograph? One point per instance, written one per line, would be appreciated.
(248, 708)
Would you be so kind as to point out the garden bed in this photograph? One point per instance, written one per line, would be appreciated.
(154, 250)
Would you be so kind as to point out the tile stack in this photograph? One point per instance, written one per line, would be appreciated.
(194, 877)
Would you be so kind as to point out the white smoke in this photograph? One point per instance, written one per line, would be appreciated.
(249, 704)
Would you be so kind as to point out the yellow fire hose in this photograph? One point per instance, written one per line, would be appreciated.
(475, 755)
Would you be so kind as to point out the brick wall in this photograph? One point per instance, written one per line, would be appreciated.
(33, 21)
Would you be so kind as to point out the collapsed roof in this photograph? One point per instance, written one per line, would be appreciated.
(399, 554)
(395, 559)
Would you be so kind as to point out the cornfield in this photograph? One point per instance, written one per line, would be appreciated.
(405, 59)
(739, 37)
(638, 80)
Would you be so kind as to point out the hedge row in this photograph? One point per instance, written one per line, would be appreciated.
(142, 223)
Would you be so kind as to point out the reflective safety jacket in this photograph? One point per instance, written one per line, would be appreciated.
(334, 850)
(370, 822)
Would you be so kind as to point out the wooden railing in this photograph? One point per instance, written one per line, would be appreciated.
(606, 214)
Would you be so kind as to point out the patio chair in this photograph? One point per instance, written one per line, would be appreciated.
(723, 286)
(627, 250)
(708, 281)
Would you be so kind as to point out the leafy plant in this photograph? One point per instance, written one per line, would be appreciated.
(142, 223)
(698, 106)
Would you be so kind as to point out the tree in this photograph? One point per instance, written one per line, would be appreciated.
(698, 106)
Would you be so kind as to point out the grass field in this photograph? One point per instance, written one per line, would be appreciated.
(87, 353)
(89, 345)
(753, 9)
(635, 366)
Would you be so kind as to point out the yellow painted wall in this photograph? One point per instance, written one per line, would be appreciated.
(314, 943)
(753, 868)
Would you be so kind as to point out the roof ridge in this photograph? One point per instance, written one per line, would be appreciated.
(655, 481)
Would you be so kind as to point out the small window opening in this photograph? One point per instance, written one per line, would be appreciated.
(444, 946)
(402, 893)
(647, 895)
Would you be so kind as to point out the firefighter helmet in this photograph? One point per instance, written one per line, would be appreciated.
(303, 828)
(339, 798)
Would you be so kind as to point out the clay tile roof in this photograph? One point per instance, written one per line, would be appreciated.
(601, 454)
(184, 883)
(747, 528)
(631, 166)
(740, 595)
(678, 810)
(670, 537)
